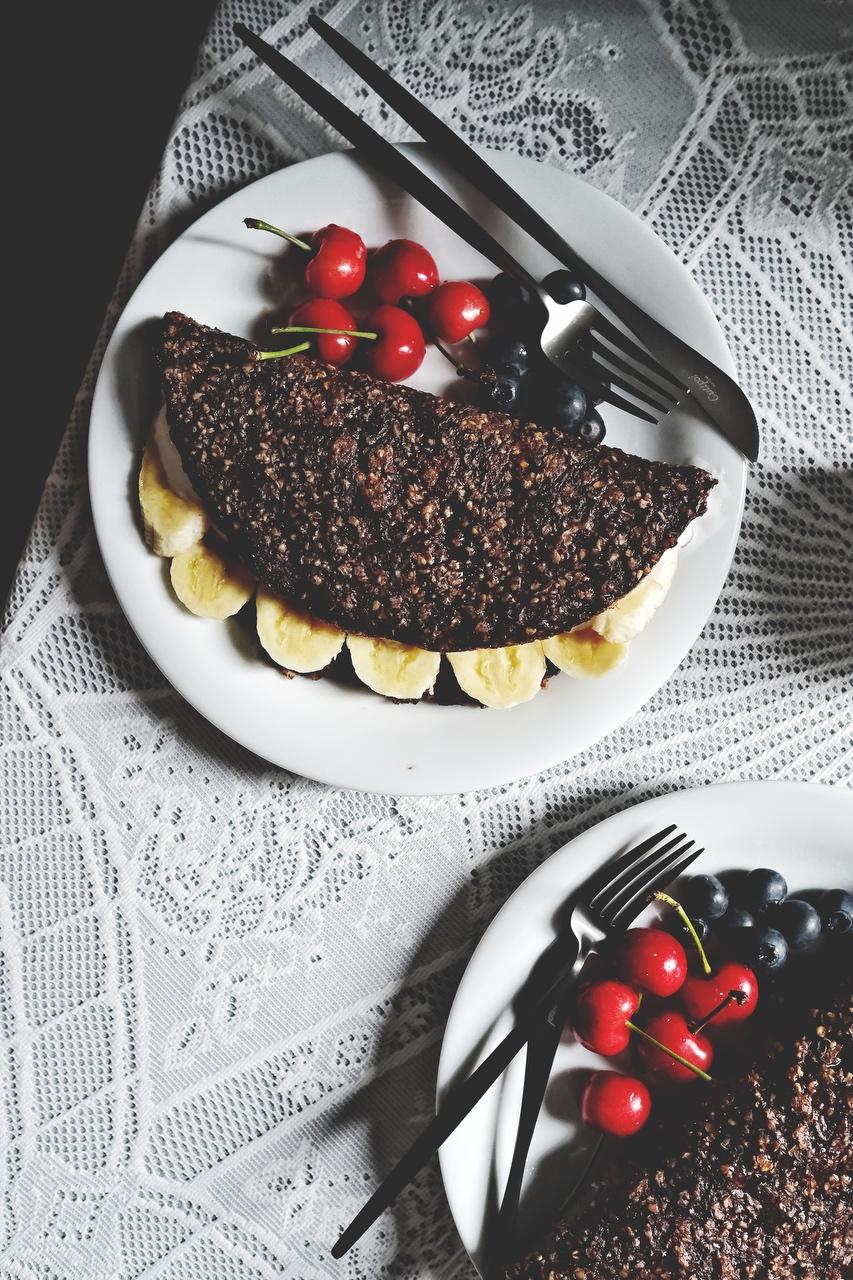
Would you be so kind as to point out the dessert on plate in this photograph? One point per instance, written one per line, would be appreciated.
(400, 528)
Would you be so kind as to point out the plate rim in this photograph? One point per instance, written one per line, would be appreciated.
(362, 778)
(793, 787)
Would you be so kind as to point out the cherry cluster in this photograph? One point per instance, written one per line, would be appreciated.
(340, 266)
(669, 1040)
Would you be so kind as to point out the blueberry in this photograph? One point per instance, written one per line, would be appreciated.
(501, 389)
(568, 404)
(505, 293)
(510, 355)
(763, 948)
(736, 918)
(762, 889)
(799, 923)
(771, 950)
(592, 430)
(836, 912)
(564, 287)
(704, 896)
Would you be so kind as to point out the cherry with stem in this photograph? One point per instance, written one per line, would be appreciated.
(603, 1021)
(337, 257)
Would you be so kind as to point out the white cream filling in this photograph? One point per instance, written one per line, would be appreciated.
(177, 478)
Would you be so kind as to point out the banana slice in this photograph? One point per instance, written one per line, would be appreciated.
(500, 678)
(392, 669)
(292, 639)
(627, 618)
(209, 586)
(584, 653)
(172, 523)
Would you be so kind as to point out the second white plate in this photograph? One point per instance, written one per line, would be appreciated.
(801, 830)
(223, 275)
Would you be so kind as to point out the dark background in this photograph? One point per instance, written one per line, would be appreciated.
(94, 90)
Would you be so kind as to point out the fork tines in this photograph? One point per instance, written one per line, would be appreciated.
(638, 885)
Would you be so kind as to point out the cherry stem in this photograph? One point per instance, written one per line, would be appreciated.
(689, 926)
(691, 1066)
(463, 370)
(256, 224)
(736, 997)
(289, 351)
(309, 328)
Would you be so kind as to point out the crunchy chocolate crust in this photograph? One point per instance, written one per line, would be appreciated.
(757, 1184)
(398, 514)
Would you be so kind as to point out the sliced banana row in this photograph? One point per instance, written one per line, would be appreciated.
(212, 587)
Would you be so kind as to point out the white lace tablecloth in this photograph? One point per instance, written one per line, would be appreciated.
(223, 988)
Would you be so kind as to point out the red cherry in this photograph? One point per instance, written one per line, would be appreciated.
(326, 313)
(615, 1103)
(700, 996)
(652, 960)
(400, 346)
(671, 1029)
(603, 1009)
(339, 262)
(402, 269)
(456, 309)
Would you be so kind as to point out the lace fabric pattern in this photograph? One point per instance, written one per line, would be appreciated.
(223, 988)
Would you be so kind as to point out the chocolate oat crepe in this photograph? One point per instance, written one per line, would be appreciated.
(750, 1178)
(401, 515)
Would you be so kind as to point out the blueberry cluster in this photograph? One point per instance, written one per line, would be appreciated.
(521, 380)
(755, 921)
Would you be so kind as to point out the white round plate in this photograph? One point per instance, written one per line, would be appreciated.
(800, 829)
(223, 275)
